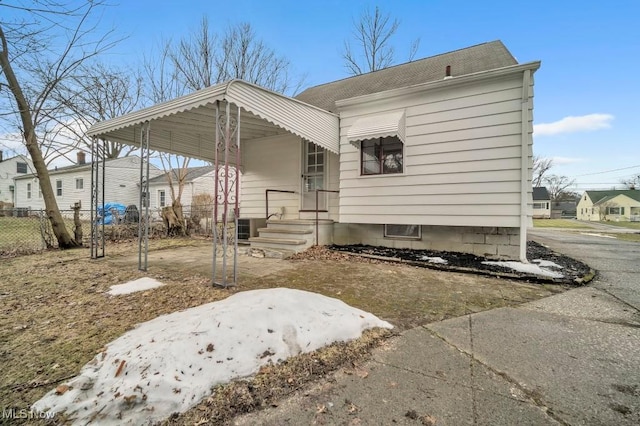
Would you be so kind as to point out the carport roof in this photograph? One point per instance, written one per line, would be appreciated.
(186, 125)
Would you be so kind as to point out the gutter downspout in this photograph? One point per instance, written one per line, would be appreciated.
(524, 165)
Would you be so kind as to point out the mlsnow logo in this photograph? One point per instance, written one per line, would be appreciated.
(24, 414)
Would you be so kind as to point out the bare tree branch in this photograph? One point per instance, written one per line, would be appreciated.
(371, 35)
(34, 67)
(540, 168)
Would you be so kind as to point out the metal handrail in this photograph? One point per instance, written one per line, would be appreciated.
(266, 195)
(317, 191)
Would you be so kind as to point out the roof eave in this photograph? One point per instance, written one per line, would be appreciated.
(439, 84)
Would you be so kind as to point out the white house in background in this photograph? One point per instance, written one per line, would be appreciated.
(433, 154)
(19, 165)
(198, 180)
(541, 203)
(73, 183)
(616, 205)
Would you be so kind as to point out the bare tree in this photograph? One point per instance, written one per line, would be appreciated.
(540, 168)
(557, 186)
(45, 44)
(632, 182)
(97, 93)
(373, 51)
(201, 59)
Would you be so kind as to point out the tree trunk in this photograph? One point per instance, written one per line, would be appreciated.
(65, 240)
(174, 219)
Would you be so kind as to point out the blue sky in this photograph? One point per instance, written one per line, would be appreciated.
(586, 92)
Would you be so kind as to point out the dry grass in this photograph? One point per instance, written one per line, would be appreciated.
(559, 223)
(55, 315)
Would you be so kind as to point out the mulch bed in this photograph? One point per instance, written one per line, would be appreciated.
(575, 272)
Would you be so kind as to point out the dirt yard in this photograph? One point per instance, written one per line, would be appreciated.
(55, 315)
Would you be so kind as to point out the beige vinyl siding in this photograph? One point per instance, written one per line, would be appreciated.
(461, 159)
(203, 185)
(271, 163)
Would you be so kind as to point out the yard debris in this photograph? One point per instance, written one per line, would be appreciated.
(120, 368)
(61, 389)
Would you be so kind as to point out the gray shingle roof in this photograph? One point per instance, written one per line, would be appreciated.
(192, 174)
(482, 57)
(540, 193)
(604, 196)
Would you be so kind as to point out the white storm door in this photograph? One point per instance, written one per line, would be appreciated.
(314, 167)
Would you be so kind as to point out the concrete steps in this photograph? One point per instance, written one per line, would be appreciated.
(289, 235)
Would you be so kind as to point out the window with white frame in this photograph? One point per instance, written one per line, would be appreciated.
(615, 210)
(59, 188)
(409, 232)
(381, 156)
(540, 206)
(79, 183)
(28, 191)
(162, 198)
(21, 167)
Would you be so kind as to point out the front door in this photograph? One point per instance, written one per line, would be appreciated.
(314, 166)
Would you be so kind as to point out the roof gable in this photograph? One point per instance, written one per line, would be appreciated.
(482, 57)
(193, 173)
(540, 193)
(598, 197)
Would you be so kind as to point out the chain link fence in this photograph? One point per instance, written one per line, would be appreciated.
(23, 230)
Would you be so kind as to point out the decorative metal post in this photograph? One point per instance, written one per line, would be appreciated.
(226, 191)
(143, 220)
(97, 199)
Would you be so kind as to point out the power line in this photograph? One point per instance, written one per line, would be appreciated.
(608, 171)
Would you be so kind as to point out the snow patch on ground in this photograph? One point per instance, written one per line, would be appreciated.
(546, 263)
(140, 284)
(528, 268)
(170, 363)
(434, 259)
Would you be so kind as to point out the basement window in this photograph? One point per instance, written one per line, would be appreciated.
(406, 232)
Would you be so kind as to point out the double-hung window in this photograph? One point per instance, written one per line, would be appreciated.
(381, 156)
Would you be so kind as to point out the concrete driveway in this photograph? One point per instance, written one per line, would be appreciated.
(570, 359)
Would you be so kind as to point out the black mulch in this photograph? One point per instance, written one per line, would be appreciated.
(574, 272)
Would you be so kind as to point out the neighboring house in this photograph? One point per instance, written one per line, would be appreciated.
(614, 205)
(431, 154)
(541, 203)
(73, 183)
(564, 209)
(198, 180)
(10, 168)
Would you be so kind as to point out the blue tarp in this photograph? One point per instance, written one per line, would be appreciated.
(106, 212)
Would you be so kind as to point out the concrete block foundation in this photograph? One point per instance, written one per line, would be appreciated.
(490, 242)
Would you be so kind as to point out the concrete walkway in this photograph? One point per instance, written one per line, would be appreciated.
(570, 359)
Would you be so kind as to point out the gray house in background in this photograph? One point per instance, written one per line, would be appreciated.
(198, 180)
(431, 154)
(541, 203)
